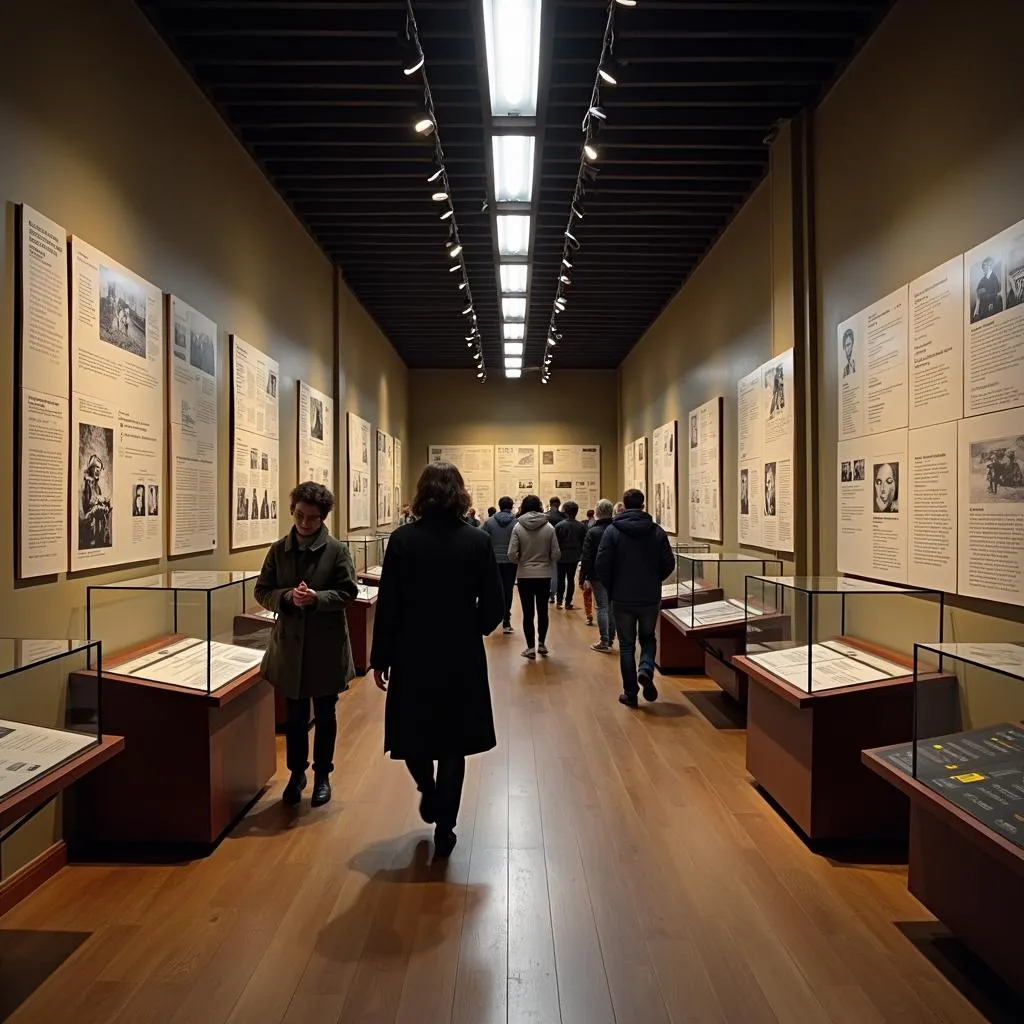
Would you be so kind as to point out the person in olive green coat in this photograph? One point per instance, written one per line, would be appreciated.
(307, 580)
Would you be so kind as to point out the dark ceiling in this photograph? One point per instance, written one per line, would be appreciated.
(315, 91)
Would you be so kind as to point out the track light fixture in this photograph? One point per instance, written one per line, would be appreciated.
(566, 263)
(455, 252)
(564, 279)
(462, 285)
(576, 212)
(597, 112)
(411, 69)
(424, 126)
(626, 3)
(572, 239)
(467, 310)
(589, 151)
(437, 174)
(439, 197)
(447, 213)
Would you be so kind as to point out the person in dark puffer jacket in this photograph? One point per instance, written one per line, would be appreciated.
(499, 528)
(571, 534)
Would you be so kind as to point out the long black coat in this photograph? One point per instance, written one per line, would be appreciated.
(440, 595)
(309, 654)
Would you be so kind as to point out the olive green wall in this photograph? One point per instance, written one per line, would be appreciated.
(103, 131)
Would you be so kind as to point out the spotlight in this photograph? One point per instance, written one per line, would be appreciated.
(437, 174)
(590, 151)
(462, 284)
(566, 263)
(412, 68)
(447, 213)
(455, 269)
(544, 380)
(439, 197)
(572, 239)
(454, 253)
(576, 212)
(551, 341)
(481, 375)
(424, 126)
(470, 342)
(626, 3)
(598, 113)
(467, 311)
(564, 279)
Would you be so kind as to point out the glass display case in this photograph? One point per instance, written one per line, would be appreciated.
(46, 719)
(177, 628)
(710, 586)
(367, 551)
(819, 649)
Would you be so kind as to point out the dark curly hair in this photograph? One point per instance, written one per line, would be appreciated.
(310, 493)
(441, 489)
(531, 503)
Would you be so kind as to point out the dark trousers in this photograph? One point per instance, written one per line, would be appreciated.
(631, 621)
(508, 584)
(566, 581)
(325, 732)
(446, 789)
(533, 596)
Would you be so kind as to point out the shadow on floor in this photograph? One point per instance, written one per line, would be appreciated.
(28, 959)
(969, 975)
(718, 708)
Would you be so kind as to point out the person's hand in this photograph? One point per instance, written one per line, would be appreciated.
(380, 680)
(303, 596)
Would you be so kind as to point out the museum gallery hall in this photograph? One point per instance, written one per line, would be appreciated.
(516, 512)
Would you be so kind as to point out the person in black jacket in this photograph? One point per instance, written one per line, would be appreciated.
(570, 533)
(498, 527)
(555, 516)
(633, 560)
(589, 581)
(440, 579)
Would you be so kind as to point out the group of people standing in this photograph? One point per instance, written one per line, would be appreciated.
(444, 587)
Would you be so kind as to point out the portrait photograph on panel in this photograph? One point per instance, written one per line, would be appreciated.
(95, 486)
(886, 477)
(769, 488)
(849, 354)
(744, 492)
(987, 293)
(316, 419)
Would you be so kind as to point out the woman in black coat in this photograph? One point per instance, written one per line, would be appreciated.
(440, 595)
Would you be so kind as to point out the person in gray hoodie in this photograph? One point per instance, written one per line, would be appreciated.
(533, 547)
(499, 528)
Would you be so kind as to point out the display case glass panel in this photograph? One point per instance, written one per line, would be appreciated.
(711, 586)
(670, 588)
(367, 552)
(45, 718)
(177, 628)
(814, 653)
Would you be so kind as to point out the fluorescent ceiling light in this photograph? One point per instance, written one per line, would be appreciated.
(512, 34)
(514, 332)
(514, 348)
(513, 309)
(513, 277)
(514, 373)
(513, 234)
(513, 168)
(513, 362)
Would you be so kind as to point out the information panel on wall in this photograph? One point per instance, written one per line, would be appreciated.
(316, 436)
(704, 481)
(662, 503)
(572, 472)
(476, 464)
(765, 445)
(192, 422)
(399, 477)
(255, 446)
(385, 478)
(117, 413)
(635, 465)
(516, 471)
(938, 501)
(43, 395)
(360, 502)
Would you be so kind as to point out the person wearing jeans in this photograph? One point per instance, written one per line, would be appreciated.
(591, 584)
(533, 547)
(499, 528)
(633, 559)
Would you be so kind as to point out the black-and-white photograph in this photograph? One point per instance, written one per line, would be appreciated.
(254, 506)
(180, 341)
(886, 485)
(265, 507)
(547, 458)
(316, 419)
(858, 469)
(122, 312)
(641, 449)
(563, 485)
(139, 500)
(525, 457)
(153, 500)
(659, 502)
(365, 439)
(188, 417)
(242, 507)
(846, 472)
(202, 352)
(693, 430)
(769, 488)
(776, 380)
(986, 297)
(1015, 273)
(271, 384)
(849, 355)
(254, 458)
(264, 462)
(997, 470)
(273, 510)
(744, 492)
(526, 486)
(95, 485)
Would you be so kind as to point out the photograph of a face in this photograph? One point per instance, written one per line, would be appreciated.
(886, 487)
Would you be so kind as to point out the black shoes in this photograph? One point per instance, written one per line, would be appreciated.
(293, 791)
(647, 685)
(630, 702)
(427, 807)
(444, 843)
(321, 791)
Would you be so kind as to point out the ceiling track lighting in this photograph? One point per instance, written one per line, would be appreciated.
(439, 197)
(424, 126)
(455, 252)
(589, 151)
(437, 174)
(447, 213)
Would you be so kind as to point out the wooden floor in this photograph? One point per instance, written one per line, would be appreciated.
(612, 865)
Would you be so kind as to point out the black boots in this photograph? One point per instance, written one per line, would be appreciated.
(321, 791)
(293, 791)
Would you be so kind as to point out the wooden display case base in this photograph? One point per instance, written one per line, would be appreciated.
(192, 762)
(678, 654)
(968, 876)
(803, 749)
(360, 616)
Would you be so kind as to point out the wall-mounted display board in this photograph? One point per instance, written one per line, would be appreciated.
(255, 446)
(192, 423)
(385, 478)
(117, 413)
(516, 473)
(765, 442)
(399, 470)
(704, 448)
(316, 436)
(635, 466)
(662, 504)
(929, 472)
(476, 464)
(41, 320)
(359, 499)
(571, 471)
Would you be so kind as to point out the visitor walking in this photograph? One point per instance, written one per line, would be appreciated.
(570, 533)
(440, 582)
(555, 516)
(633, 559)
(499, 528)
(591, 584)
(307, 580)
(533, 547)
